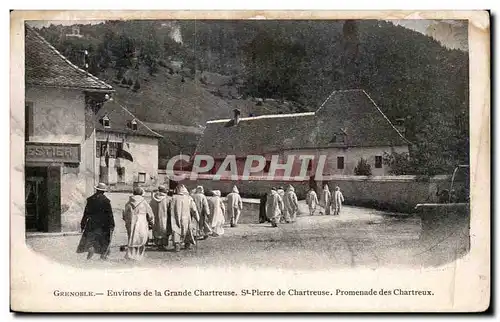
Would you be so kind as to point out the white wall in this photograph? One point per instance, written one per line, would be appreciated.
(351, 158)
(144, 151)
(59, 116)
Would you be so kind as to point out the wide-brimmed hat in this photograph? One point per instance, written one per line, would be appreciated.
(101, 187)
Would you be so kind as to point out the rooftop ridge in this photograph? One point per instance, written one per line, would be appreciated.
(337, 91)
(387, 119)
(135, 118)
(269, 116)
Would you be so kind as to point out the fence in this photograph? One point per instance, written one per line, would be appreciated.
(392, 193)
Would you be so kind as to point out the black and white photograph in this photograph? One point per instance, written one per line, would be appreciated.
(294, 146)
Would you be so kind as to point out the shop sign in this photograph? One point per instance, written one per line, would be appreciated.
(52, 152)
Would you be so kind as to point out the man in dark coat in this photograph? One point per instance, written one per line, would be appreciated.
(262, 209)
(97, 224)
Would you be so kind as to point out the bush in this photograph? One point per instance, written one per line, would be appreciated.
(137, 86)
(130, 82)
(120, 74)
(398, 163)
(124, 81)
(363, 168)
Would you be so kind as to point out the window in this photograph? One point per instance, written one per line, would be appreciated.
(141, 178)
(105, 122)
(134, 125)
(28, 121)
(378, 161)
(338, 138)
(112, 146)
(340, 162)
(121, 174)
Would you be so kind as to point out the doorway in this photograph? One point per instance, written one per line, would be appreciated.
(36, 200)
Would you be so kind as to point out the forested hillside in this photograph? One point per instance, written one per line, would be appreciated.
(409, 75)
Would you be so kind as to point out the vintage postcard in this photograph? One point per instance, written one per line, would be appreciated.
(241, 161)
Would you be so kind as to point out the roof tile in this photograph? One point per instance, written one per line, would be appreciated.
(45, 66)
(352, 112)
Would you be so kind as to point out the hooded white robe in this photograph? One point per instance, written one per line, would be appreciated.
(138, 216)
(290, 204)
(234, 205)
(218, 213)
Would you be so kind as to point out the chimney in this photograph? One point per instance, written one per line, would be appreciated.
(236, 118)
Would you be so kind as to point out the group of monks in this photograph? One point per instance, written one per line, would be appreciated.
(185, 217)
(329, 203)
(280, 206)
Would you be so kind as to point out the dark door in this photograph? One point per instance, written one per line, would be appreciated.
(36, 199)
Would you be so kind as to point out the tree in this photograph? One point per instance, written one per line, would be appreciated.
(363, 168)
(124, 81)
(398, 163)
(130, 82)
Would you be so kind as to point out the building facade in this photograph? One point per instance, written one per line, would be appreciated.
(61, 101)
(131, 148)
(346, 128)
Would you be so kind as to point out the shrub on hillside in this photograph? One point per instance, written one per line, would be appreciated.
(363, 168)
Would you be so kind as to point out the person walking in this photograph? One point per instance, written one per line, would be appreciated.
(182, 212)
(97, 224)
(290, 205)
(262, 209)
(338, 199)
(218, 213)
(325, 200)
(274, 207)
(235, 205)
(158, 204)
(312, 201)
(204, 211)
(138, 217)
(281, 193)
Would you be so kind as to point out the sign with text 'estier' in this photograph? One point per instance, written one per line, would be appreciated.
(52, 152)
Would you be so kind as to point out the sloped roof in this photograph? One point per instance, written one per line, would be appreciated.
(352, 112)
(45, 66)
(119, 121)
(356, 114)
(255, 135)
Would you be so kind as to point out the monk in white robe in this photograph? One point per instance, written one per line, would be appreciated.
(290, 204)
(217, 213)
(325, 200)
(274, 207)
(312, 201)
(182, 213)
(234, 205)
(159, 203)
(337, 200)
(138, 217)
(204, 229)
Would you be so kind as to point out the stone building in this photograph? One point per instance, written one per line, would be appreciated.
(61, 101)
(348, 126)
(131, 148)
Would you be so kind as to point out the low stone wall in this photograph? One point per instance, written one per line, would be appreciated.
(391, 193)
